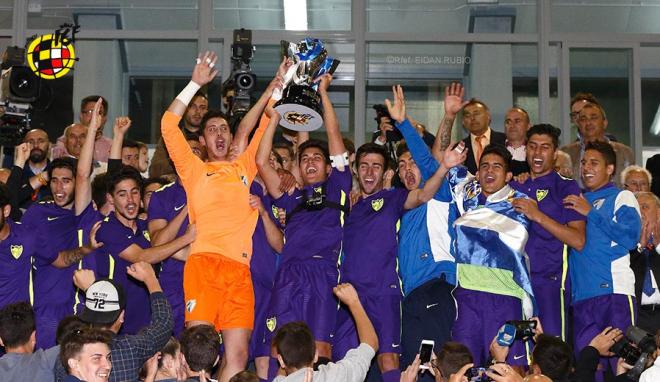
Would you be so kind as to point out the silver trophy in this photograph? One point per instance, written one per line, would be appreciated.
(300, 106)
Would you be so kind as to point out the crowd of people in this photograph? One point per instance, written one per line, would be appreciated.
(309, 260)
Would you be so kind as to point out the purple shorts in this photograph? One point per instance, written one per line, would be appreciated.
(384, 311)
(303, 292)
(553, 301)
(593, 315)
(258, 345)
(479, 317)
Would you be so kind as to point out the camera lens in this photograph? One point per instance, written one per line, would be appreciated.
(245, 81)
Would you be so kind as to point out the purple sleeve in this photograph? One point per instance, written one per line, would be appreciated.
(288, 202)
(113, 242)
(156, 208)
(571, 188)
(341, 180)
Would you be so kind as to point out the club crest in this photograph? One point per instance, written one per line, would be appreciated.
(16, 251)
(271, 324)
(377, 204)
(146, 235)
(598, 203)
(540, 194)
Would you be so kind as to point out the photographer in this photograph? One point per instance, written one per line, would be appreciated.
(652, 374)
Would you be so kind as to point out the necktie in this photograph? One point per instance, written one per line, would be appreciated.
(647, 287)
(479, 148)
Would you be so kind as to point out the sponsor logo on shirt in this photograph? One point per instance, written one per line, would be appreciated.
(516, 357)
(271, 324)
(377, 204)
(179, 207)
(16, 251)
(51, 218)
(541, 194)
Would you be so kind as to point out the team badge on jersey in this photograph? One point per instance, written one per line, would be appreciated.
(472, 190)
(271, 323)
(598, 203)
(541, 194)
(244, 179)
(146, 235)
(275, 211)
(377, 204)
(16, 251)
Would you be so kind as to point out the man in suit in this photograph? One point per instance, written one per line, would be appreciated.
(645, 263)
(476, 120)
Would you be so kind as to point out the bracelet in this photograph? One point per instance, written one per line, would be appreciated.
(41, 179)
(188, 92)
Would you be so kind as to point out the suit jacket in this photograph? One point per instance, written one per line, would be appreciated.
(653, 165)
(638, 265)
(495, 138)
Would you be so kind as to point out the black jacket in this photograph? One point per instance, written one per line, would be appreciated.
(638, 265)
(495, 138)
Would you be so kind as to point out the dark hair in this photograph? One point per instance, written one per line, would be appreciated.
(155, 180)
(199, 345)
(319, 144)
(605, 149)
(295, 344)
(100, 189)
(402, 148)
(244, 376)
(372, 148)
(73, 343)
(227, 86)
(475, 101)
(553, 356)
(500, 151)
(582, 96)
(94, 98)
(545, 129)
(129, 143)
(210, 115)
(170, 349)
(16, 324)
(5, 195)
(125, 172)
(452, 356)
(286, 146)
(68, 325)
(63, 162)
(278, 157)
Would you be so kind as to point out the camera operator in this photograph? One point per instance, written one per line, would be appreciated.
(388, 136)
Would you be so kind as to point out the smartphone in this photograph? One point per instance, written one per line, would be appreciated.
(425, 351)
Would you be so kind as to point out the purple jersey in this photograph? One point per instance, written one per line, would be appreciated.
(59, 228)
(165, 204)
(16, 252)
(545, 251)
(315, 233)
(264, 259)
(370, 243)
(116, 237)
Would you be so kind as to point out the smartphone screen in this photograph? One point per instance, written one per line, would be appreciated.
(425, 351)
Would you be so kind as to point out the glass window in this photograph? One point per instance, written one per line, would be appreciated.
(650, 74)
(6, 13)
(607, 16)
(118, 14)
(604, 73)
(428, 16)
(282, 14)
(501, 75)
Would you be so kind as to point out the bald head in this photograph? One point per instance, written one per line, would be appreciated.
(537, 378)
(74, 137)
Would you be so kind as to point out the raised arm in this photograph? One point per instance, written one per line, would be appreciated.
(367, 335)
(69, 257)
(83, 194)
(453, 104)
(251, 118)
(451, 157)
(175, 142)
(335, 140)
(268, 174)
(119, 129)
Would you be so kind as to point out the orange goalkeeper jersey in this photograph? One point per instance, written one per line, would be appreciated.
(218, 193)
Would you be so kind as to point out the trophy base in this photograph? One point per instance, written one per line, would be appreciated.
(300, 109)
